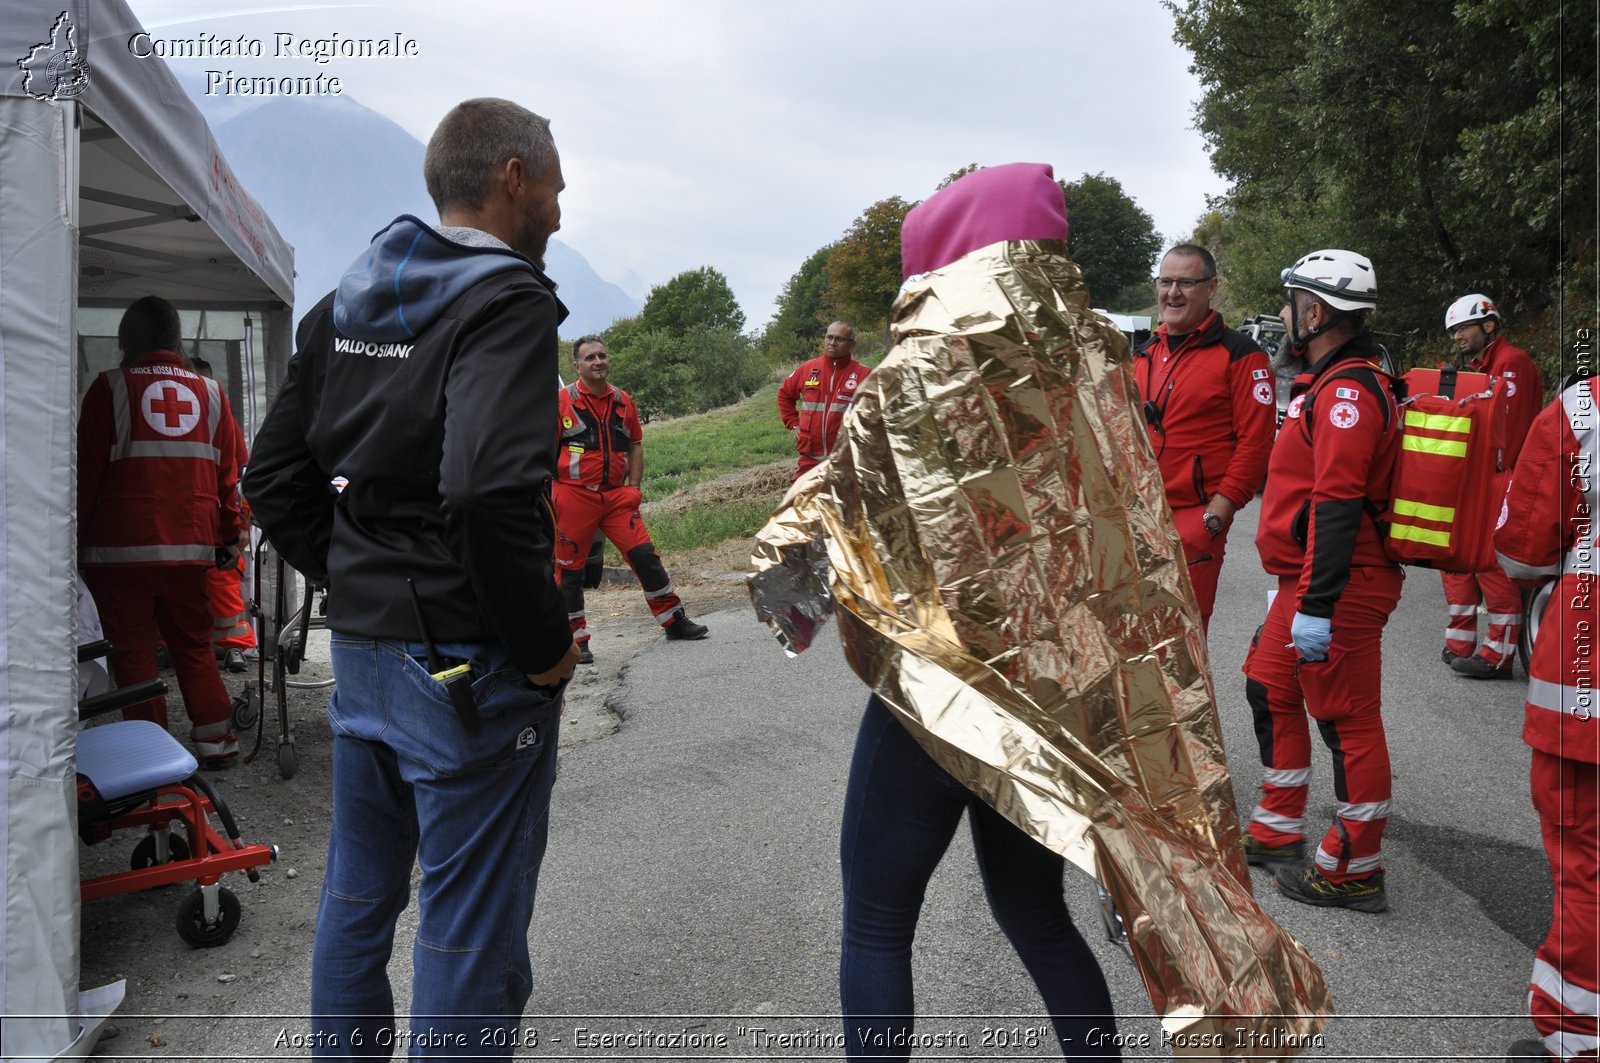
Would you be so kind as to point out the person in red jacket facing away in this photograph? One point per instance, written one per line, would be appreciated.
(813, 399)
(1546, 532)
(157, 510)
(1321, 648)
(599, 467)
(1211, 408)
(231, 634)
(1474, 324)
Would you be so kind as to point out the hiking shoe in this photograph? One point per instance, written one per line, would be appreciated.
(233, 661)
(1310, 886)
(1526, 1049)
(1476, 667)
(1258, 853)
(163, 658)
(685, 629)
(584, 656)
(1450, 658)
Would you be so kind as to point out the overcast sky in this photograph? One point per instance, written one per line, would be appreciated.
(743, 134)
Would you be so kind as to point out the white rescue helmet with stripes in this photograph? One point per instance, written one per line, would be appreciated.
(1470, 308)
(1342, 279)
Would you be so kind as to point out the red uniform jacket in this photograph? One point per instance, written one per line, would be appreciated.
(1547, 531)
(815, 397)
(1520, 385)
(597, 433)
(157, 467)
(1330, 472)
(1211, 408)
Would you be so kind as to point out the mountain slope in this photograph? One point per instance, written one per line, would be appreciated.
(331, 172)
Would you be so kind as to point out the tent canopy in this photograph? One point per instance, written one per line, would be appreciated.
(162, 213)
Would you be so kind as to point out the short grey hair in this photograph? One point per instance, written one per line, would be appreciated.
(475, 140)
(1208, 261)
(846, 324)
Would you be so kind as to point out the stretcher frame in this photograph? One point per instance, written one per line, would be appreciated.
(283, 605)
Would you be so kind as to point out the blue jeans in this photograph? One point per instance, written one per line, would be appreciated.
(900, 812)
(411, 784)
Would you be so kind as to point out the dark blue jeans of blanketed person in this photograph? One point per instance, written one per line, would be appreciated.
(410, 783)
(900, 812)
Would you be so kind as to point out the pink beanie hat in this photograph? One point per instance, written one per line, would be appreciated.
(1017, 201)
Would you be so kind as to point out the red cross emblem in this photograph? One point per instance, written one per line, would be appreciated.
(170, 408)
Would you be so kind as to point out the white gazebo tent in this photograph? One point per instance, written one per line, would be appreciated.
(111, 187)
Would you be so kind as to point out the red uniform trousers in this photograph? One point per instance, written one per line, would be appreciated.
(1503, 604)
(230, 627)
(581, 512)
(1566, 968)
(141, 605)
(1204, 553)
(1344, 695)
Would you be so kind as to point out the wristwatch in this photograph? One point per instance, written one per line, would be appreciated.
(1213, 523)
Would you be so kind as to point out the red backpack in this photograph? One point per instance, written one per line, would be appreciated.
(1448, 482)
(1447, 485)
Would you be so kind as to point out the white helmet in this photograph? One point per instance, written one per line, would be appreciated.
(1342, 279)
(1469, 308)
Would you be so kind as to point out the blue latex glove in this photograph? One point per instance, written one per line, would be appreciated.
(1312, 636)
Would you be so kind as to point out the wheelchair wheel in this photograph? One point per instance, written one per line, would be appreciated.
(192, 926)
(144, 854)
(246, 709)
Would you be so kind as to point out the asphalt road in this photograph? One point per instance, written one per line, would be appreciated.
(689, 905)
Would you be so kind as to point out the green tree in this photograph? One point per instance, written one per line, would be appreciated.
(796, 330)
(696, 298)
(1445, 141)
(957, 175)
(863, 272)
(674, 373)
(1111, 238)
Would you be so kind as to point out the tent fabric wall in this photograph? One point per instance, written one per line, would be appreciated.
(38, 669)
(105, 166)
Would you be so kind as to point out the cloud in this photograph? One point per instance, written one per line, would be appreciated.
(744, 136)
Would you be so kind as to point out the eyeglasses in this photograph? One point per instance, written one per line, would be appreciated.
(838, 339)
(1188, 284)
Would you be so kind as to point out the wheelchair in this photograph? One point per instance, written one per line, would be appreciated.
(132, 773)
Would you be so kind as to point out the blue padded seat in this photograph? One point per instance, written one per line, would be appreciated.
(130, 756)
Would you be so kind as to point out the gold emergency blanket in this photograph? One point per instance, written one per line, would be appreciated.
(992, 534)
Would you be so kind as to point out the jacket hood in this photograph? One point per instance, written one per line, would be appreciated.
(401, 284)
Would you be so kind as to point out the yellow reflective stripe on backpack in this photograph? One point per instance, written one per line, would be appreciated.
(1447, 448)
(1419, 535)
(1439, 422)
(1406, 508)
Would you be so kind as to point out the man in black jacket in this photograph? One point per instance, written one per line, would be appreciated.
(424, 381)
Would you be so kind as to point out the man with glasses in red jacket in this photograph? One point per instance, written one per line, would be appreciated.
(1210, 405)
(812, 401)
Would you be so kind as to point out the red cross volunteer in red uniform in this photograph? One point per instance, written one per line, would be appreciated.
(1474, 324)
(231, 634)
(599, 467)
(1547, 533)
(156, 499)
(1320, 650)
(813, 399)
(1211, 407)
